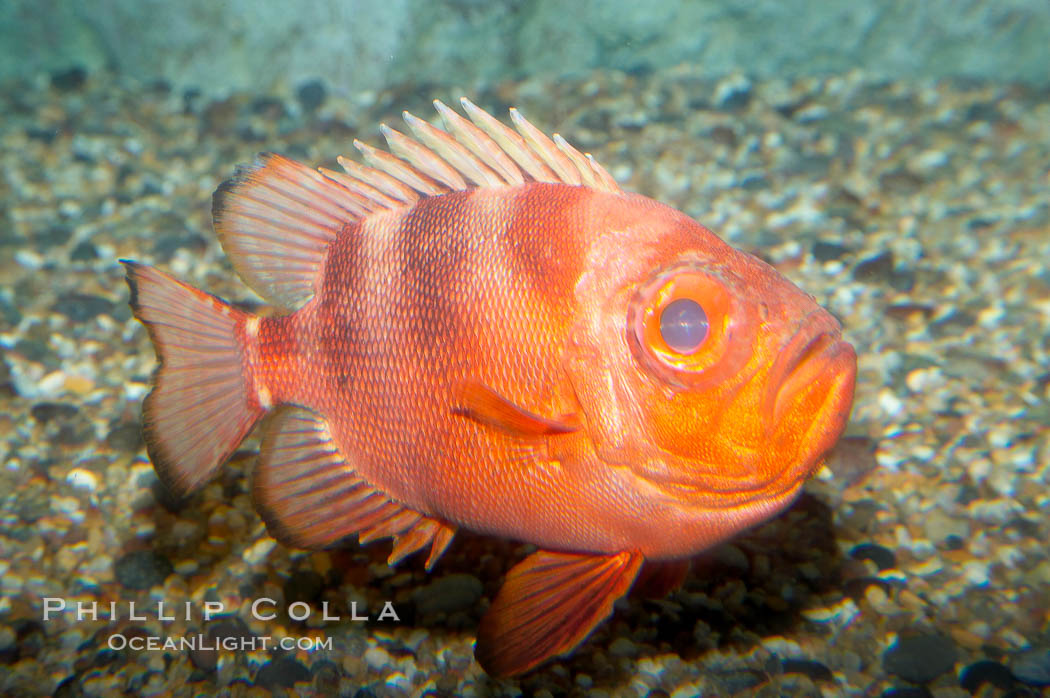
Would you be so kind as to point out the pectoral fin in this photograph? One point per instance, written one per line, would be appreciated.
(549, 603)
(485, 405)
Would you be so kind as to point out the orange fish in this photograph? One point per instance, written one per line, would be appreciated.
(484, 331)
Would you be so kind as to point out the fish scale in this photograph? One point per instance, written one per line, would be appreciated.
(473, 337)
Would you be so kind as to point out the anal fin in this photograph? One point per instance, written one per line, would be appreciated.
(549, 603)
(311, 497)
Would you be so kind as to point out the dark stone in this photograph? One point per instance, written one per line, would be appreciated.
(69, 79)
(326, 676)
(920, 658)
(985, 671)
(754, 181)
(723, 135)
(69, 688)
(44, 412)
(53, 236)
(813, 669)
(884, 559)
(858, 586)
(84, 251)
(284, 672)
(736, 99)
(303, 585)
(105, 657)
(741, 680)
(827, 251)
(900, 181)
(1032, 666)
(980, 223)
(166, 245)
(229, 626)
(250, 135)
(142, 570)
(877, 268)
(81, 307)
(311, 95)
(34, 350)
(954, 542)
(907, 692)
(9, 313)
(365, 693)
(73, 434)
(448, 594)
(852, 459)
(207, 658)
(46, 136)
(983, 111)
(125, 437)
(1025, 527)
(967, 494)
(269, 107)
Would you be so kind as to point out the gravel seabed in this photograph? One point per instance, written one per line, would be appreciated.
(917, 564)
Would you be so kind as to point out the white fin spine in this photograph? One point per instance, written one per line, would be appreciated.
(487, 150)
(455, 154)
(276, 217)
(586, 173)
(377, 185)
(399, 169)
(423, 159)
(545, 148)
(512, 144)
(607, 180)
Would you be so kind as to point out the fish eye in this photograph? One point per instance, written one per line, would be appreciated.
(683, 325)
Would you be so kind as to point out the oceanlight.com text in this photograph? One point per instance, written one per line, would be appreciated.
(199, 642)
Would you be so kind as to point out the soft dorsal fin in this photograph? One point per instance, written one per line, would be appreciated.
(311, 497)
(276, 217)
(549, 603)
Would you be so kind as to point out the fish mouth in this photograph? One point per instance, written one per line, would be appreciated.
(812, 393)
(813, 354)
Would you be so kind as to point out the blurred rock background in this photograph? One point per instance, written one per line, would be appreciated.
(364, 44)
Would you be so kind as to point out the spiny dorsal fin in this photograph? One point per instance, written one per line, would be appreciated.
(276, 217)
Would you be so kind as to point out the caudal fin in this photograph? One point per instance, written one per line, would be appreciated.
(200, 407)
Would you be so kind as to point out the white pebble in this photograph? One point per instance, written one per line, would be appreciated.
(259, 551)
(29, 259)
(378, 659)
(890, 403)
(81, 479)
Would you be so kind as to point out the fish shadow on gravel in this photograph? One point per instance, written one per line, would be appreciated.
(753, 587)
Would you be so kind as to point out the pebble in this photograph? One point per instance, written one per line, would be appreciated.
(311, 95)
(809, 667)
(82, 479)
(283, 672)
(985, 672)
(931, 248)
(378, 659)
(883, 558)
(142, 570)
(1032, 666)
(453, 592)
(623, 647)
(920, 658)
